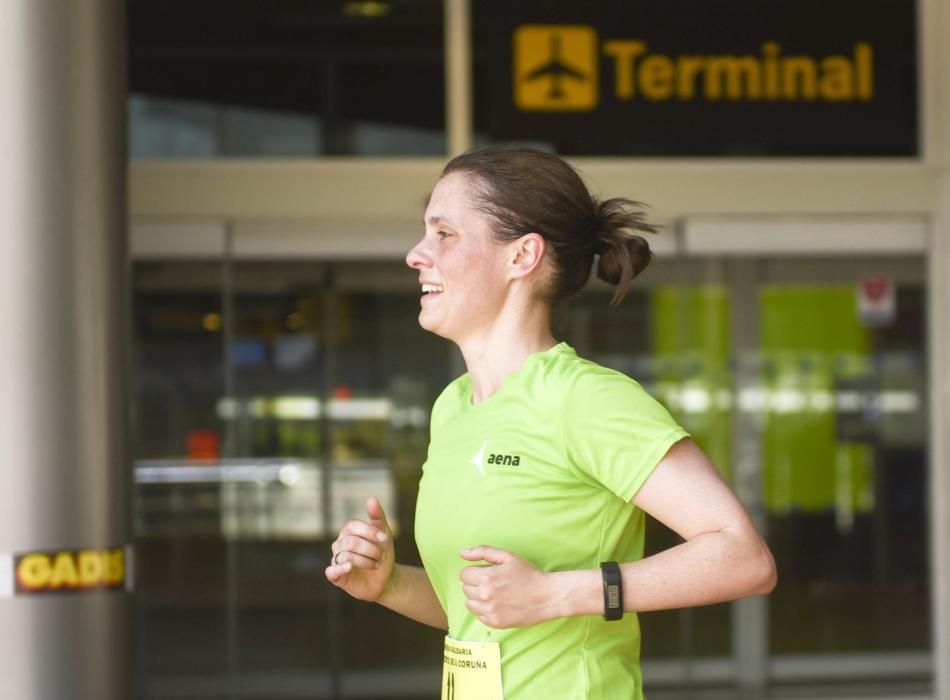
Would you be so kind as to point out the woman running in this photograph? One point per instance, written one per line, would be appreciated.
(541, 464)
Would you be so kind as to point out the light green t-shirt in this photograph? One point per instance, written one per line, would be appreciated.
(546, 468)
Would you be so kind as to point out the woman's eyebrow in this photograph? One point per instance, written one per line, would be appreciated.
(436, 220)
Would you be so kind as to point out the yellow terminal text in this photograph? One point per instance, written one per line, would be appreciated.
(767, 76)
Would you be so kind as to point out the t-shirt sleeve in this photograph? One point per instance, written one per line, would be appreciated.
(615, 433)
(442, 408)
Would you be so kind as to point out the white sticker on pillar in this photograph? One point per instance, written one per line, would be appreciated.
(6, 575)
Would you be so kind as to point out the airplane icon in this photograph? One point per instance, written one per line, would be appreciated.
(557, 69)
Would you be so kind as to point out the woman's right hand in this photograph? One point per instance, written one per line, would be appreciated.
(363, 558)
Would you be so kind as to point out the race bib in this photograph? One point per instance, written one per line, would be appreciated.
(471, 671)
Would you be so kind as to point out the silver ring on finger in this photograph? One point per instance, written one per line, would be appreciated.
(336, 557)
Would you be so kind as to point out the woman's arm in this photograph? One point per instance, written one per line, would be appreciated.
(723, 557)
(410, 593)
(364, 566)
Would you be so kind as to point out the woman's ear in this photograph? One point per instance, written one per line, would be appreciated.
(528, 254)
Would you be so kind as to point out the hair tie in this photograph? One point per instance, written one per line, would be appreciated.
(601, 245)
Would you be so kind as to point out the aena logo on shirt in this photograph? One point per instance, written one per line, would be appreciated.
(479, 458)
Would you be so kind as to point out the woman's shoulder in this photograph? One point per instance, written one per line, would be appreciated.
(450, 399)
(583, 388)
(580, 374)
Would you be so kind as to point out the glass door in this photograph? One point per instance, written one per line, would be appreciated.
(272, 397)
(842, 431)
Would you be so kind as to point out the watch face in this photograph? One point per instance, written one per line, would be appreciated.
(613, 587)
(613, 597)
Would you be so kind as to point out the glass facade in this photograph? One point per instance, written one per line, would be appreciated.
(285, 78)
(272, 397)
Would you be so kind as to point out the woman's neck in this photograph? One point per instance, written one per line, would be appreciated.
(493, 355)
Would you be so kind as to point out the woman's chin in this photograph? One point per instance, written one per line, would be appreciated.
(428, 323)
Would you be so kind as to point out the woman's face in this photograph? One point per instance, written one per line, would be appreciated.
(461, 260)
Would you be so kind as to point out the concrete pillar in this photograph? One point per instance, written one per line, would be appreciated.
(936, 33)
(939, 482)
(458, 75)
(65, 614)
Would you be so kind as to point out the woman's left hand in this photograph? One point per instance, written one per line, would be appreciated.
(510, 592)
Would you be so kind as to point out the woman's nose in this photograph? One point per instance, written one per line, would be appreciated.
(417, 257)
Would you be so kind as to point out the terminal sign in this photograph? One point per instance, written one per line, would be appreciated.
(556, 70)
(688, 77)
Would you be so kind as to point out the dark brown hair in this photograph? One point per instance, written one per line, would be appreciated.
(525, 190)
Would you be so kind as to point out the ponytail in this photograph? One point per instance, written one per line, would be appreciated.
(622, 253)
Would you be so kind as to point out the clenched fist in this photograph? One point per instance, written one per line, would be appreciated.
(509, 592)
(363, 556)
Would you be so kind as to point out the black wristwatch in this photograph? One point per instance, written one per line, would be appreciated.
(613, 590)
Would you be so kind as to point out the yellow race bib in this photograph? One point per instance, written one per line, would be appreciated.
(471, 671)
